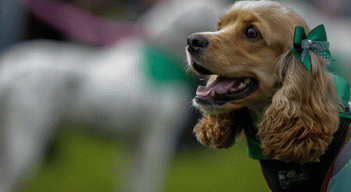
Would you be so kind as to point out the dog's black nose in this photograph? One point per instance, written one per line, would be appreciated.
(197, 43)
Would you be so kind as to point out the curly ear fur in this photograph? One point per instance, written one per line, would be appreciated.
(221, 130)
(299, 124)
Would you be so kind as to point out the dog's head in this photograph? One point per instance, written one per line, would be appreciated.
(240, 58)
(250, 65)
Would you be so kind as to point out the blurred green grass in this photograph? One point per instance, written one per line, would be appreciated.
(85, 163)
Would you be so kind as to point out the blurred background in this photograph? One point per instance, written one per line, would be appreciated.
(81, 160)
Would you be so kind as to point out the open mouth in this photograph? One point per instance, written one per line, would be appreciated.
(225, 89)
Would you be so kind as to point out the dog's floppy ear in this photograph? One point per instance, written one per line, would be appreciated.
(299, 124)
(221, 130)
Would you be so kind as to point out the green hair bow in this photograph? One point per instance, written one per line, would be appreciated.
(315, 41)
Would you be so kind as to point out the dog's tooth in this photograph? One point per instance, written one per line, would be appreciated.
(232, 89)
(248, 80)
(213, 93)
(242, 85)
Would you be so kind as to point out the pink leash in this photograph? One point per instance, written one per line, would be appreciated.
(81, 24)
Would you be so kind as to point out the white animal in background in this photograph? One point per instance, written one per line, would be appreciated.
(44, 83)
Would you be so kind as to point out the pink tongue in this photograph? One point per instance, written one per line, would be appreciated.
(221, 86)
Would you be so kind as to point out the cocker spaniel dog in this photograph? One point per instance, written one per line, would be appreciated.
(290, 114)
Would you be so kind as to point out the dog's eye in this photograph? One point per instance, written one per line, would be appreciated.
(251, 33)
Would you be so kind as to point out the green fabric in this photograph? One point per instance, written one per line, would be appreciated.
(342, 88)
(162, 66)
(341, 181)
(343, 91)
(316, 41)
(254, 149)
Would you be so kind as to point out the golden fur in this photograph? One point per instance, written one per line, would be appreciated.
(296, 110)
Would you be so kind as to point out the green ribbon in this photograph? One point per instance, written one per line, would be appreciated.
(346, 116)
(315, 41)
